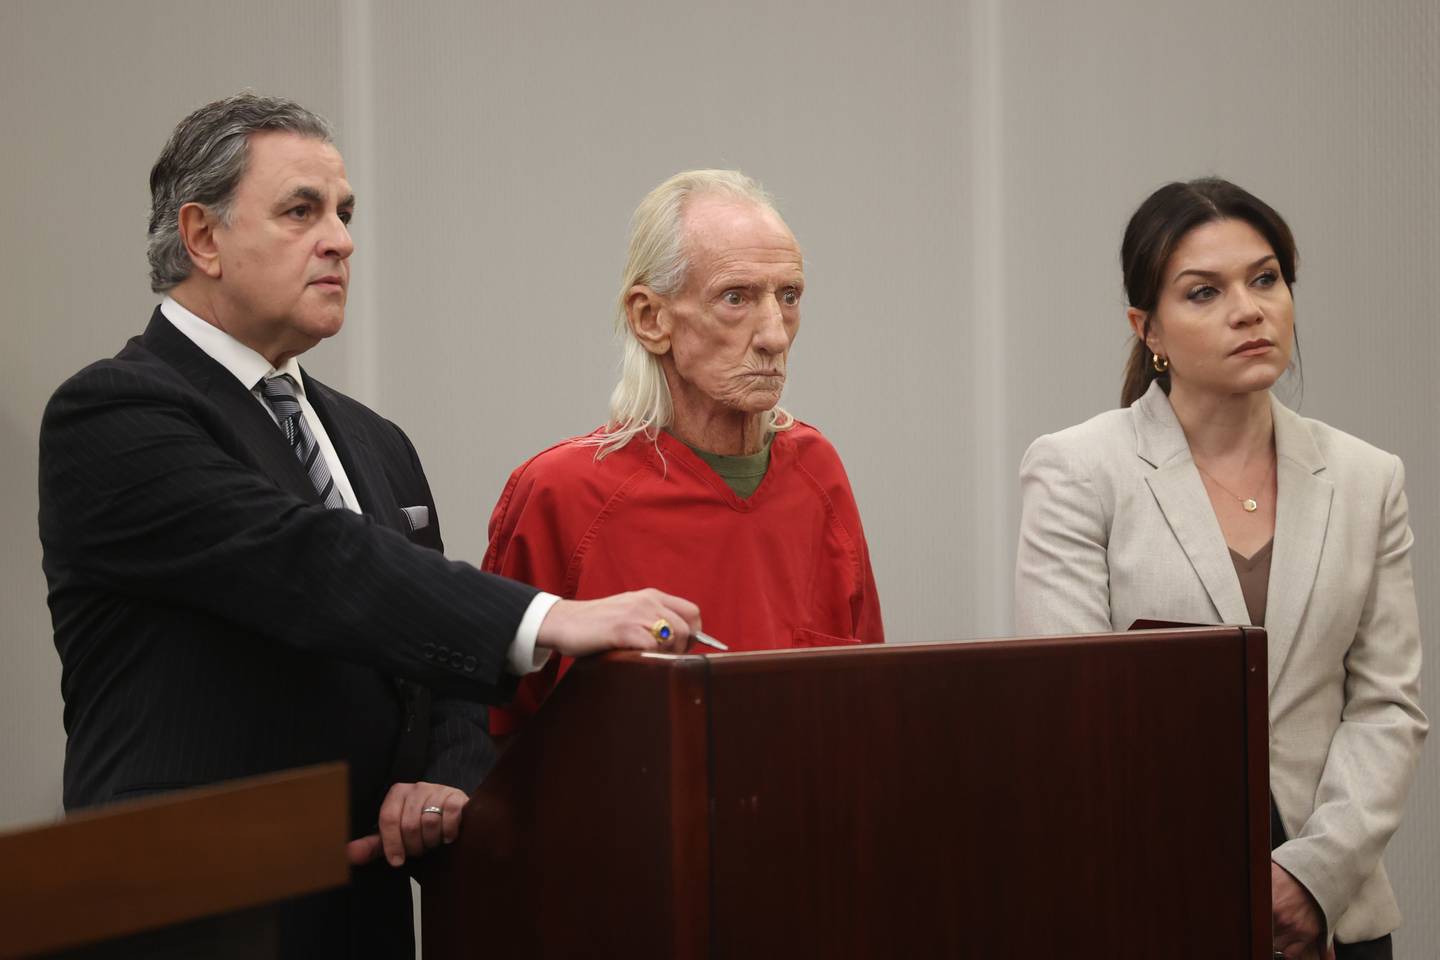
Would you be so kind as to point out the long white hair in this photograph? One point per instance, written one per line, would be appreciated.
(640, 403)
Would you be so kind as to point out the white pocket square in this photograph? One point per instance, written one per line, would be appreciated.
(417, 517)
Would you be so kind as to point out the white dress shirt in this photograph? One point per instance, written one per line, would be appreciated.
(252, 370)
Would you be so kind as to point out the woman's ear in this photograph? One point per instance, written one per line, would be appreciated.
(1144, 330)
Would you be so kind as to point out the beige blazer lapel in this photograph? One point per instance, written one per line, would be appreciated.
(1302, 514)
(1176, 485)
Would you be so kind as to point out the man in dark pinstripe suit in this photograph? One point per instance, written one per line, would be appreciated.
(245, 565)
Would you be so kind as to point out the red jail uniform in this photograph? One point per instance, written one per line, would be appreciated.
(786, 567)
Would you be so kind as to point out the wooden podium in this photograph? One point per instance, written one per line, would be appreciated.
(1079, 797)
(100, 875)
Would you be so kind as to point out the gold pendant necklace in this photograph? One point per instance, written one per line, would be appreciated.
(1249, 504)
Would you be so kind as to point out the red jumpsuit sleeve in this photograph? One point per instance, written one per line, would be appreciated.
(527, 544)
(865, 601)
(866, 607)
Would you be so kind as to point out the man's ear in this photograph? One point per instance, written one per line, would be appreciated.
(197, 232)
(1144, 330)
(649, 319)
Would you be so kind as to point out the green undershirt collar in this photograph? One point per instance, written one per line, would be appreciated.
(742, 474)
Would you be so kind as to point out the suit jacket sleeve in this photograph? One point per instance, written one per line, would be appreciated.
(1062, 579)
(459, 751)
(143, 494)
(1374, 752)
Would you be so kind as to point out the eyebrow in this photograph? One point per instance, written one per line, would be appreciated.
(1210, 274)
(312, 195)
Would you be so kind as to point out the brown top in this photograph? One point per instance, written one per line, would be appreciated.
(1254, 574)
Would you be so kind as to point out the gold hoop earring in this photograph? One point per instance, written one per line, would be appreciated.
(1161, 364)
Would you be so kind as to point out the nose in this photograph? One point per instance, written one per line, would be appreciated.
(770, 335)
(335, 239)
(1246, 310)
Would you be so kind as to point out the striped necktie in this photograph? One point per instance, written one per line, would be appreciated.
(279, 392)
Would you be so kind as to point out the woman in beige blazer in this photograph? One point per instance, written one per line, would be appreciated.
(1173, 507)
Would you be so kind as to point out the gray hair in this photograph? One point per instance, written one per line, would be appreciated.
(203, 162)
(640, 402)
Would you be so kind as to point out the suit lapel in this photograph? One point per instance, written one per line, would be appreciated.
(1180, 494)
(1302, 516)
(237, 405)
(365, 474)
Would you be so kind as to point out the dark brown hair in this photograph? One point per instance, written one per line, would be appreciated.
(1154, 232)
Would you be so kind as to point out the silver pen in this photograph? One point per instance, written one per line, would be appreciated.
(709, 641)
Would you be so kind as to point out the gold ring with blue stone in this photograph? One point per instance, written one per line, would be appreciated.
(661, 631)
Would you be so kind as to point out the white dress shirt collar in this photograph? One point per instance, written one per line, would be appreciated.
(244, 363)
(250, 368)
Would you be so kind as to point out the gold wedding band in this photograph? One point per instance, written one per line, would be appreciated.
(431, 810)
(661, 631)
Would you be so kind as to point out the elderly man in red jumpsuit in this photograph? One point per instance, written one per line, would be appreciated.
(699, 484)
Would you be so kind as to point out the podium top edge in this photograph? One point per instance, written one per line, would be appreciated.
(1150, 634)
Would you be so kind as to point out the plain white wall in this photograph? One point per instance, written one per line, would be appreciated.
(957, 173)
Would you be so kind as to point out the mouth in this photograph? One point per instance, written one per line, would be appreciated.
(1252, 348)
(329, 283)
(766, 374)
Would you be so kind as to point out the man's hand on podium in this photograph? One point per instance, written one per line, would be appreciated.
(415, 817)
(576, 628)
